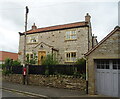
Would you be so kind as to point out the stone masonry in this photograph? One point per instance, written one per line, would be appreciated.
(55, 39)
(63, 81)
(108, 48)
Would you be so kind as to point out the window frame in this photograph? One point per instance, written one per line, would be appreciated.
(29, 56)
(32, 39)
(71, 35)
(70, 58)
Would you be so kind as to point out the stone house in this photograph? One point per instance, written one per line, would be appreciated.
(103, 65)
(68, 42)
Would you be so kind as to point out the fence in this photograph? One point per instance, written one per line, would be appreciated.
(17, 69)
(54, 69)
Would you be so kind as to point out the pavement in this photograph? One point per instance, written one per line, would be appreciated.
(49, 92)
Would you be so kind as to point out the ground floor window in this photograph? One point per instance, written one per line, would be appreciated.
(29, 56)
(70, 56)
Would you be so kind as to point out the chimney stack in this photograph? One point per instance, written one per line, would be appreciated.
(34, 27)
(87, 17)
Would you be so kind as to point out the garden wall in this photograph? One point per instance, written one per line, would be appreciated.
(58, 81)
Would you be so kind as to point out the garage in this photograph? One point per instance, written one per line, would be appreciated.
(103, 66)
(107, 76)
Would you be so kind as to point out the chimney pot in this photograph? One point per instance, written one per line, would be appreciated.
(87, 17)
(34, 27)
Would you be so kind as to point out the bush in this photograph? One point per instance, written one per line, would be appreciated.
(7, 66)
(49, 60)
(16, 63)
(81, 62)
(83, 76)
(31, 61)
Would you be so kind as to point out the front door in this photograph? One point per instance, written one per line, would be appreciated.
(41, 55)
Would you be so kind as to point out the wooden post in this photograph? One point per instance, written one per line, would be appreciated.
(24, 56)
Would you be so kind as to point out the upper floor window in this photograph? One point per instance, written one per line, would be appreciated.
(71, 35)
(32, 39)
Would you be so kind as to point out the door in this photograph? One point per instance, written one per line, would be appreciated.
(41, 55)
(107, 79)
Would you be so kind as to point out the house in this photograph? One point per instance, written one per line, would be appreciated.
(103, 65)
(4, 55)
(68, 42)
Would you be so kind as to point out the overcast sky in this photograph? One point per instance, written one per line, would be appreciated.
(104, 17)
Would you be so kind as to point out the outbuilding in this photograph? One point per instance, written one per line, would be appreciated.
(103, 66)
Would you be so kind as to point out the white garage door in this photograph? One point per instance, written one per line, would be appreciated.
(108, 77)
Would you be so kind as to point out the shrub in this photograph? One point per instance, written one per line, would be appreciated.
(16, 63)
(49, 60)
(81, 62)
(7, 66)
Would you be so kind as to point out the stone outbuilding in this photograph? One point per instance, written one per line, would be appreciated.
(103, 66)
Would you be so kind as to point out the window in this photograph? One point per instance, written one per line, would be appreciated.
(70, 56)
(71, 35)
(116, 64)
(29, 56)
(103, 64)
(32, 39)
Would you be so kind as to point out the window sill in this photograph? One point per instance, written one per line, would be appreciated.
(70, 61)
(32, 43)
(70, 40)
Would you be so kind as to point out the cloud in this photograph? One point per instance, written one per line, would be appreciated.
(104, 17)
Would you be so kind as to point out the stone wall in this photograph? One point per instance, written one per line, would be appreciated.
(15, 78)
(67, 82)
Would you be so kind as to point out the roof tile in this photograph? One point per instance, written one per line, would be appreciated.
(57, 27)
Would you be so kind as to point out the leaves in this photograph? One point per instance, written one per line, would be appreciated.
(49, 60)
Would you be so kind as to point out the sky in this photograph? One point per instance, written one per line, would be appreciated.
(44, 13)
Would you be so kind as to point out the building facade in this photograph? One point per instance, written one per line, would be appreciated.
(67, 42)
(4, 55)
(103, 66)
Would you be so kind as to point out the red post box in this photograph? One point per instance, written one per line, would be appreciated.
(24, 71)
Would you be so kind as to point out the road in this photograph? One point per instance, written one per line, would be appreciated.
(6, 93)
(15, 95)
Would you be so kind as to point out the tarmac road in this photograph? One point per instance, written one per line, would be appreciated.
(6, 94)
